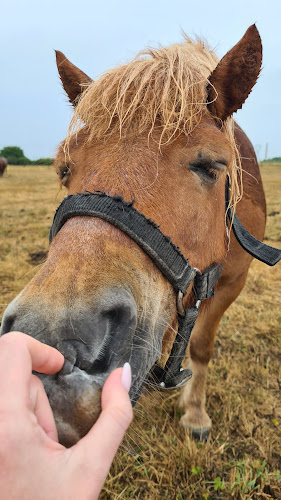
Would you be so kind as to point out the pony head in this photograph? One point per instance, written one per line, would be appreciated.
(159, 131)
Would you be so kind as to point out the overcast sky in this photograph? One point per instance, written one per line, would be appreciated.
(99, 34)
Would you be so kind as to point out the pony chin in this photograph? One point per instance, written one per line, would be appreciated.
(75, 399)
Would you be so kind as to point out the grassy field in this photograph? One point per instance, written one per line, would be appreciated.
(158, 460)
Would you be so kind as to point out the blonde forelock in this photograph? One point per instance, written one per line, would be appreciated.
(161, 90)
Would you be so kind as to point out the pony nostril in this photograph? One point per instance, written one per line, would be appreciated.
(120, 315)
(114, 314)
(117, 325)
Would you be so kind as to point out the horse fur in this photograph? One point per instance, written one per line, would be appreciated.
(99, 298)
(161, 90)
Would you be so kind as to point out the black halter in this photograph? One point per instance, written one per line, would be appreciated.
(168, 258)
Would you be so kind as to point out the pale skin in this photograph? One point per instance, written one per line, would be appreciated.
(33, 465)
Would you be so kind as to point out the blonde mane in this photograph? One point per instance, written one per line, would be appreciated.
(162, 90)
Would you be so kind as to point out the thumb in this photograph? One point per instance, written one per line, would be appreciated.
(100, 445)
(115, 402)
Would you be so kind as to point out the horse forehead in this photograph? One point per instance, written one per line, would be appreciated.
(206, 135)
(135, 167)
(206, 130)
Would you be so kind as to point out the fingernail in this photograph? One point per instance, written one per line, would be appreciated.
(126, 378)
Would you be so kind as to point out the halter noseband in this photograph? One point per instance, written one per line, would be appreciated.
(168, 258)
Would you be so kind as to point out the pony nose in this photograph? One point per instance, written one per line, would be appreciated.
(116, 323)
(105, 337)
(94, 338)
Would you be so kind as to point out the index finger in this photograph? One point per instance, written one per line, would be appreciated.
(19, 355)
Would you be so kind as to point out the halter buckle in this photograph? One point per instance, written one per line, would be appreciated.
(180, 307)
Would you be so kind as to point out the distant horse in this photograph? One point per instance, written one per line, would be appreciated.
(3, 165)
(158, 134)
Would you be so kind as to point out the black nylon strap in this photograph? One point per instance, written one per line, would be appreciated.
(265, 253)
(204, 283)
(164, 254)
(173, 375)
(143, 231)
(167, 258)
(160, 378)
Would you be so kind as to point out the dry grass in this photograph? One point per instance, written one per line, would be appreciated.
(28, 198)
(157, 458)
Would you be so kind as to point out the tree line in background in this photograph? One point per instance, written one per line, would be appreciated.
(276, 159)
(16, 156)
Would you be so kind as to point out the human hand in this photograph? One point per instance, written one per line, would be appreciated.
(33, 465)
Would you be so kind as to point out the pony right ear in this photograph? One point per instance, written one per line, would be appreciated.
(72, 78)
(235, 75)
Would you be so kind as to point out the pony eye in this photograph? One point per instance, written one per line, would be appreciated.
(208, 170)
(205, 169)
(64, 173)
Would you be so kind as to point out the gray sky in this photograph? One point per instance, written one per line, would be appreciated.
(97, 35)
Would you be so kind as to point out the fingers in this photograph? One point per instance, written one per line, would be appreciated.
(19, 354)
(44, 358)
(99, 446)
(40, 406)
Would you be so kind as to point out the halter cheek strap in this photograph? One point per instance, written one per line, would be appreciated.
(169, 259)
(265, 253)
(173, 375)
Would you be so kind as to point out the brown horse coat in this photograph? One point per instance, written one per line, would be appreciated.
(158, 130)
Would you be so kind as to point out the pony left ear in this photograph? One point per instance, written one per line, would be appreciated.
(72, 78)
(235, 75)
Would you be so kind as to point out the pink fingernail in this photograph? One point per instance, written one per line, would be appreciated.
(126, 378)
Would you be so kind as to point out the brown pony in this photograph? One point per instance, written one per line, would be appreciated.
(159, 131)
(3, 165)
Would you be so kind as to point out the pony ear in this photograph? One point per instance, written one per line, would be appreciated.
(72, 78)
(235, 75)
